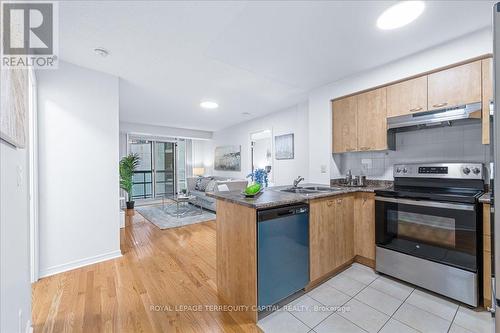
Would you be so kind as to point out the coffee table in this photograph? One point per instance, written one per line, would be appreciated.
(178, 200)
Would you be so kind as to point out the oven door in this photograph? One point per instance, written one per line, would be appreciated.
(443, 232)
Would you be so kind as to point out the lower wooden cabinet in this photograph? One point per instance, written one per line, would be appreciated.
(487, 258)
(331, 232)
(364, 227)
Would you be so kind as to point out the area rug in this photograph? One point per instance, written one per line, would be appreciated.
(165, 217)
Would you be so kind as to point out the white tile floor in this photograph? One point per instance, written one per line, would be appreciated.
(360, 300)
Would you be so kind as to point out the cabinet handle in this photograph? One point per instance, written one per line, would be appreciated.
(416, 109)
(339, 201)
(329, 203)
(364, 148)
(439, 105)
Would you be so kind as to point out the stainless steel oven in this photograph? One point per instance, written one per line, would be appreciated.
(428, 228)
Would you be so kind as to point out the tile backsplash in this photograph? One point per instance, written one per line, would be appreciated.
(444, 144)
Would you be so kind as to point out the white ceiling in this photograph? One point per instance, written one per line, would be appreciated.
(255, 57)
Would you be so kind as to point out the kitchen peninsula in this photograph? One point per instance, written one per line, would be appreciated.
(341, 230)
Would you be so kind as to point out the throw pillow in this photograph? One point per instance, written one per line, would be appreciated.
(197, 185)
(202, 182)
(211, 186)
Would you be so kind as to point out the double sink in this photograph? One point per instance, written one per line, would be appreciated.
(311, 189)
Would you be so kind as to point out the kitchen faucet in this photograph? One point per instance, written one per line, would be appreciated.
(297, 181)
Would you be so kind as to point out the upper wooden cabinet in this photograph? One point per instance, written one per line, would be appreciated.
(407, 97)
(360, 121)
(345, 123)
(455, 86)
(487, 87)
(372, 120)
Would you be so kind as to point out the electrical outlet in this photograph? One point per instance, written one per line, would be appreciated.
(323, 168)
(367, 163)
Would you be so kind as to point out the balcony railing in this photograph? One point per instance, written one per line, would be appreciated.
(143, 184)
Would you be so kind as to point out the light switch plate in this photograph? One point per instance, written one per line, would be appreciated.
(19, 176)
(323, 168)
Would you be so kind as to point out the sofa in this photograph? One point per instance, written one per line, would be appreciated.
(199, 186)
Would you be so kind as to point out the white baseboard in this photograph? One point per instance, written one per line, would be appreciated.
(80, 263)
(29, 328)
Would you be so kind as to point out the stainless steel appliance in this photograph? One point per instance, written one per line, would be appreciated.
(428, 228)
(282, 254)
(441, 117)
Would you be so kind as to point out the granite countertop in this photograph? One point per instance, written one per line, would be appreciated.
(273, 197)
(485, 198)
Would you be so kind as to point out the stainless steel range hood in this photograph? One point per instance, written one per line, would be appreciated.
(442, 117)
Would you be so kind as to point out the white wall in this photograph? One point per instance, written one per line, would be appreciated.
(320, 123)
(78, 167)
(292, 120)
(15, 285)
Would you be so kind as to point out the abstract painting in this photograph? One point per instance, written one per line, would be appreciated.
(283, 145)
(228, 158)
(13, 106)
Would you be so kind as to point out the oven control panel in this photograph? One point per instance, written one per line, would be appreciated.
(440, 170)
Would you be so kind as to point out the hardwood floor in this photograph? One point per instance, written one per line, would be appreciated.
(143, 291)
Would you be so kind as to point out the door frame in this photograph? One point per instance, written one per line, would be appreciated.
(33, 176)
(252, 142)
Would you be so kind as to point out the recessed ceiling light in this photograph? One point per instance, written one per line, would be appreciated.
(101, 51)
(209, 105)
(400, 14)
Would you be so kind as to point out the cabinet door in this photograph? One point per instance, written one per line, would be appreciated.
(344, 230)
(455, 86)
(487, 86)
(487, 258)
(407, 97)
(364, 225)
(322, 218)
(372, 120)
(345, 122)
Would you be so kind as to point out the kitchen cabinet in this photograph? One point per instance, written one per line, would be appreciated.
(455, 86)
(372, 120)
(364, 228)
(486, 256)
(407, 97)
(331, 232)
(345, 122)
(487, 96)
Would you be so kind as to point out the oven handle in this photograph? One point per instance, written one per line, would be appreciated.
(435, 204)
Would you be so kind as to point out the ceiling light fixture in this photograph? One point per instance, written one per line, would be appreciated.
(246, 113)
(209, 105)
(101, 51)
(400, 14)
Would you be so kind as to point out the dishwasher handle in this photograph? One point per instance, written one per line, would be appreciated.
(275, 213)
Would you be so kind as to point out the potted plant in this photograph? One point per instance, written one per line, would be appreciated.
(128, 165)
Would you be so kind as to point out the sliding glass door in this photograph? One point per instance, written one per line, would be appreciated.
(162, 168)
(164, 163)
(143, 176)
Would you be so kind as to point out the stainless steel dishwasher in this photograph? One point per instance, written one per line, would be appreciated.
(283, 253)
